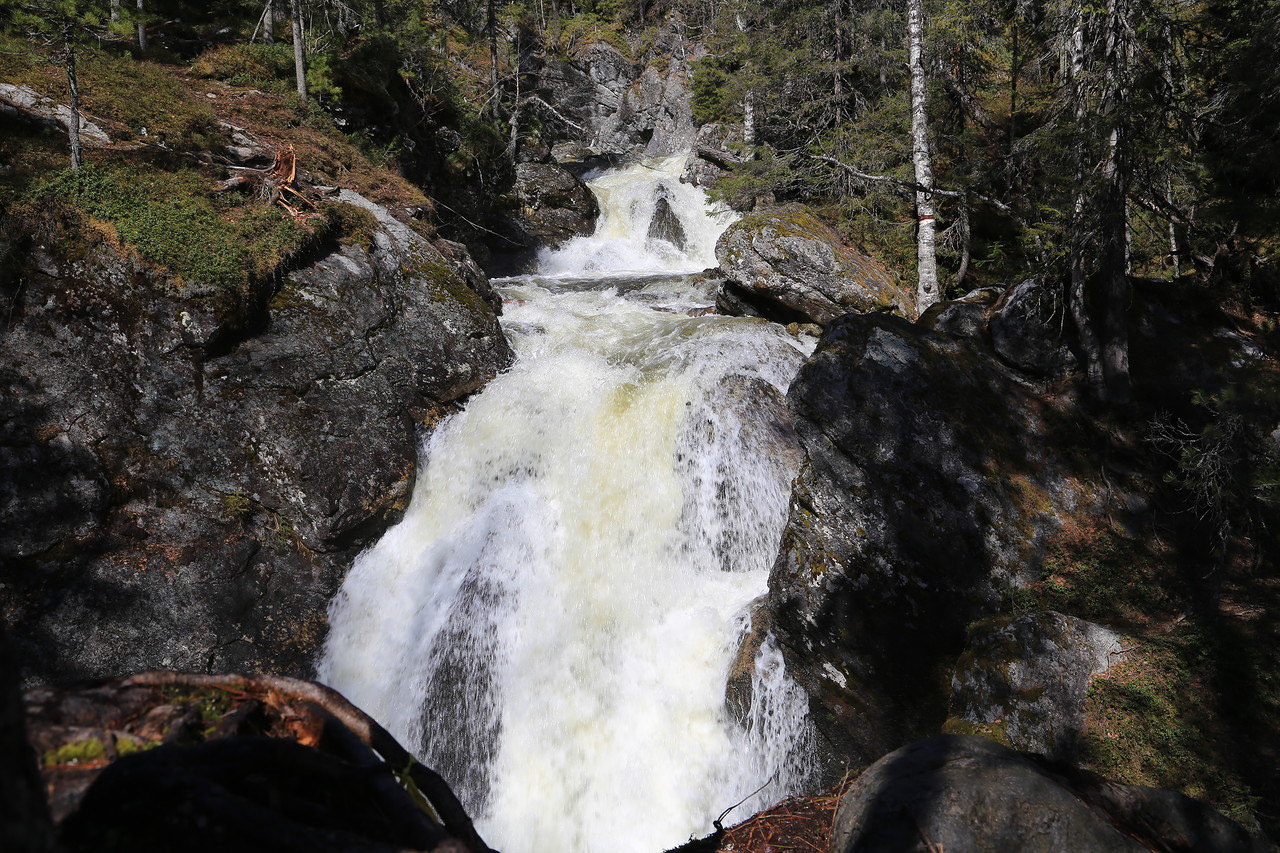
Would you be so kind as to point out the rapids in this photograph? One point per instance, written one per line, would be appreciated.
(553, 623)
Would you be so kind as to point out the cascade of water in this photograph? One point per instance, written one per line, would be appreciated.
(631, 200)
(553, 623)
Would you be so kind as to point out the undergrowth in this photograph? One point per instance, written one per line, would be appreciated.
(172, 219)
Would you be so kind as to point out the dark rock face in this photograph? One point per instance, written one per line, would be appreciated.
(965, 317)
(622, 106)
(1029, 329)
(790, 267)
(186, 477)
(1023, 680)
(968, 793)
(928, 494)
(665, 225)
(552, 205)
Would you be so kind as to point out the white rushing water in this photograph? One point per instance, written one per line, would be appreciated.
(553, 623)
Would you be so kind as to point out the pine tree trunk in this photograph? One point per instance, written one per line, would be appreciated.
(73, 89)
(269, 22)
(299, 48)
(492, 25)
(926, 242)
(1114, 260)
(1077, 288)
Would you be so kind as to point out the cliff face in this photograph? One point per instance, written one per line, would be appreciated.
(185, 478)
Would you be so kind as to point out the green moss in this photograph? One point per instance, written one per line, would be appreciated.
(81, 751)
(128, 746)
(991, 731)
(238, 505)
(1091, 572)
(259, 66)
(351, 224)
(174, 220)
(1152, 721)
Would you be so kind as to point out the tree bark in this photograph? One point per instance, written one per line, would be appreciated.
(491, 22)
(299, 48)
(927, 292)
(73, 90)
(1114, 260)
(141, 29)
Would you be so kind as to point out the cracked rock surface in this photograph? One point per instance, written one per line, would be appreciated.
(184, 478)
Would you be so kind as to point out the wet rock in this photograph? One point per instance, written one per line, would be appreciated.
(1029, 329)
(931, 485)
(187, 476)
(968, 793)
(1023, 680)
(790, 267)
(665, 225)
(552, 205)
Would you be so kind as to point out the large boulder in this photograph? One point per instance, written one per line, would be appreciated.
(551, 205)
(968, 793)
(788, 266)
(185, 477)
(932, 483)
(1023, 680)
(1030, 327)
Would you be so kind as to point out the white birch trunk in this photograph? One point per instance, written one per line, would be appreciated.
(926, 240)
(299, 48)
(141, 29)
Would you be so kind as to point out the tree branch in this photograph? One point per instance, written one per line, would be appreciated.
(913, 187)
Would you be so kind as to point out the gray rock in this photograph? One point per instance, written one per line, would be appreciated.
(25, 102)
(188, 473)
(665, 225)
(622, 106)
(553, 204)
(790, 267)
(930, 487)
(1024, 679)
(965, 317)
(1028, 330)
(960, 793)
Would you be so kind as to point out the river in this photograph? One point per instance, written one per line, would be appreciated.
(553, 623)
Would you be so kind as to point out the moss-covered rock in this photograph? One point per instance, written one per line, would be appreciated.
(785, 264)
(184, 486)
(1023, 680)
(966, 793)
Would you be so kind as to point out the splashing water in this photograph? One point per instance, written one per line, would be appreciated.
(553, 623)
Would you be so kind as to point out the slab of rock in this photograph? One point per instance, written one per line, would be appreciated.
(961, 793)
(27, 103)
(790, 267)
(1023, 680)
(186, 473)
(930, 487)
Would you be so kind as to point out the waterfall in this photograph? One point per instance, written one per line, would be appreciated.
(553, 623)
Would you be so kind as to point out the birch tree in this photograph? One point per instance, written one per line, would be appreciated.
(299, 48)
(926, 240)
